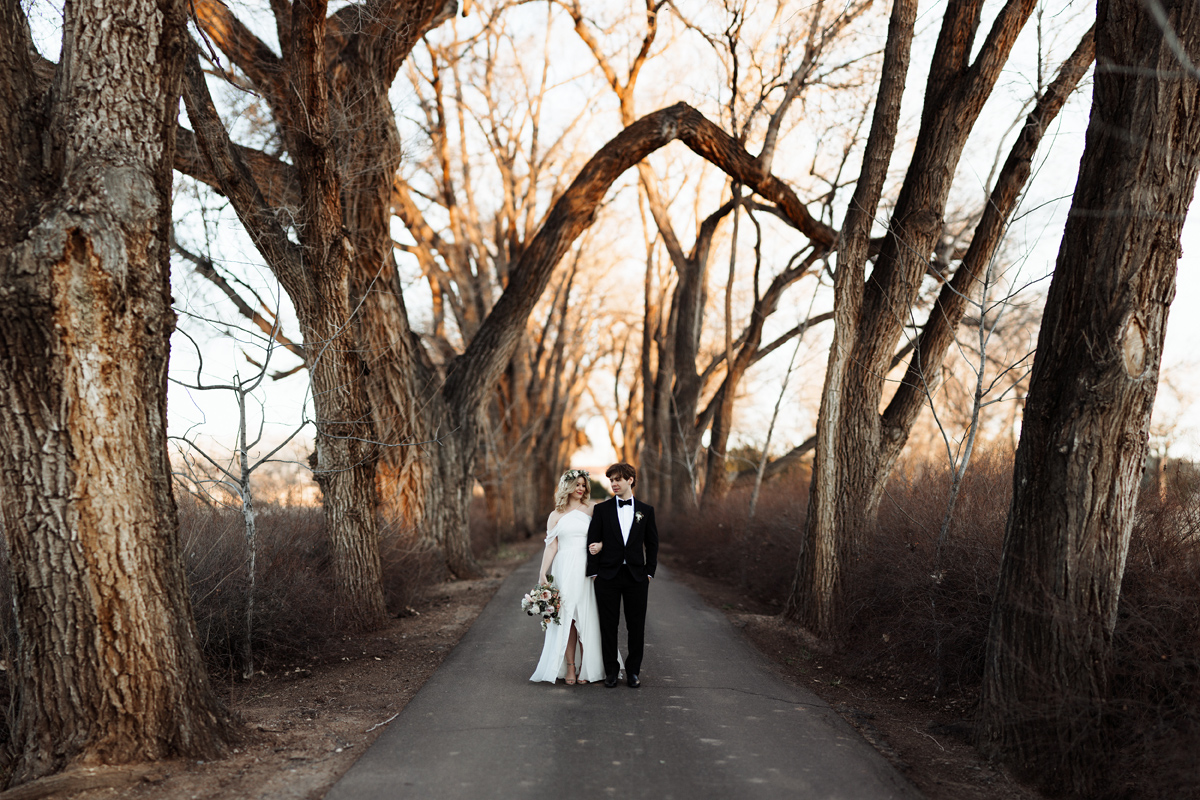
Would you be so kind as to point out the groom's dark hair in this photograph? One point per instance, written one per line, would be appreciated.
(624, 471)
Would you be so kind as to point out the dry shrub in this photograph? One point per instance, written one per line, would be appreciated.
(757, 555)
(908, 617)
(1154, 715)
(408, 568)
(296, 608)
(917, 621)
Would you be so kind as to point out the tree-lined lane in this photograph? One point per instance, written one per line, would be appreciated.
(710, 721)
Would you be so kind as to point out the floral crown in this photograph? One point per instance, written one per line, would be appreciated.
(574, 475)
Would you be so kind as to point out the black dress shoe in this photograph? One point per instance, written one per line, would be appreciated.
(632, 679)
(610, 681)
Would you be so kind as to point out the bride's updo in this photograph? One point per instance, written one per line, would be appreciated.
(566, 485)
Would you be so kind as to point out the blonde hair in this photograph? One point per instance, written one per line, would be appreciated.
(566, 485)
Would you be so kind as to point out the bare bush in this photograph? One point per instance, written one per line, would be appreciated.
(297, 607)
(757, 554)
(920, 625)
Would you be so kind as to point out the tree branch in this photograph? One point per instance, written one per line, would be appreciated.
(380, 34)
(207, 270)
(248, 53)
(954, 296)
(275, 179)
(234, 176)
(479, 367)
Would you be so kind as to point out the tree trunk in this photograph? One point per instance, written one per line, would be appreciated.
(448, 498)
(1091, 394)
(856, 445)
(658, 445)
(346, 453)
(828, 532)
(107, 668)
(717, 480)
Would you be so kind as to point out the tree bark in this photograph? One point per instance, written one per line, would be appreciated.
(107, 669)
(1091, 394)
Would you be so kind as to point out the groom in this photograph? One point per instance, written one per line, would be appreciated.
(622, 556)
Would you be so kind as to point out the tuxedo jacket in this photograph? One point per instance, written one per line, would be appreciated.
(640, 552)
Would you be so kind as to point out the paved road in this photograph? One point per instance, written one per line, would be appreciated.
(710, 721)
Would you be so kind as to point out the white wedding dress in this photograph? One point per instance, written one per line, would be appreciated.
(578, 604)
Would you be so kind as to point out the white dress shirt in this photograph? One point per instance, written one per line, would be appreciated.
(625, 517)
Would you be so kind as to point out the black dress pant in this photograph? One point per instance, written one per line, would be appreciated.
(610, 594)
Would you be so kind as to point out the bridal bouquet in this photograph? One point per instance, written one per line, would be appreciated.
(543, 601)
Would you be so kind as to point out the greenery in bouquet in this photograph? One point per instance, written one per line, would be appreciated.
(543, 601)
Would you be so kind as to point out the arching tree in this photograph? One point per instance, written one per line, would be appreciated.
(485, 167)
(411, 399)
(686, 390)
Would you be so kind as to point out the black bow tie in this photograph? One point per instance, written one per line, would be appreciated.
(622, 503)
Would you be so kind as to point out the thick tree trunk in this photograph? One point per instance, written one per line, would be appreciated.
(1092, 391)
(411, 420)
(346, 455)
(448, 495)
(107, 668)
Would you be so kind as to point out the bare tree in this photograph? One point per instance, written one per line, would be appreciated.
(761, 468)
(856, 444)
(235, 480)
(408, 396)
(1083, 443)
(107, 670)
(333, 194)
(1008, 379)
(413, 398)
(481, 113)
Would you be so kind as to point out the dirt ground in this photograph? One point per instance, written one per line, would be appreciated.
(307, 724)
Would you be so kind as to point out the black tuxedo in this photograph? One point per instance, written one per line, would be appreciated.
(622, 571)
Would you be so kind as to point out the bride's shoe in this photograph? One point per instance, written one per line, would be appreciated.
(571, 681)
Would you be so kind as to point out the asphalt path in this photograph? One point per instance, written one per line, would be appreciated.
(711, 720)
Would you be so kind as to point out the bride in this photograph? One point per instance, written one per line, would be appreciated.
(572, 649)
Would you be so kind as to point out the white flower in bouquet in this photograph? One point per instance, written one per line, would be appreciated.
(543, 601)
